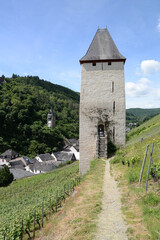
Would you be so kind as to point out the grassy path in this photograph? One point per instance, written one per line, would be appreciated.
(111, 224)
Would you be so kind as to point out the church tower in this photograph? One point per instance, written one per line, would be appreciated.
(51, 120)
(102, 99)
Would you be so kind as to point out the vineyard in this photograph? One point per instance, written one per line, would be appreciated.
(26, 202)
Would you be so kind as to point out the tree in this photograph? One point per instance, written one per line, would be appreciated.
(6, 177)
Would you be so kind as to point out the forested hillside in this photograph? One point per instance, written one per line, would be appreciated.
(140, 114)
(24, 105)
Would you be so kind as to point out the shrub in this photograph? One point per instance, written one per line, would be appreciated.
(6, 177)
(111, 147)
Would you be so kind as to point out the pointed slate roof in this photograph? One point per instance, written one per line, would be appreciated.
(102, 48)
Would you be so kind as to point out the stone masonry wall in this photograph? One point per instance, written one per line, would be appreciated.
(96, 105)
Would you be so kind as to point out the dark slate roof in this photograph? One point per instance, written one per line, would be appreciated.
(20, 173)
(45, 157)
(9, 152)
(64, 156)
(102, 48)
(42, 166)
(32, 161)
(17, 163)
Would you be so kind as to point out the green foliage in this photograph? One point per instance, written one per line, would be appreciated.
(6, 177)
(111, 147)
(117, 157)
(157, 168)
(131, 117)
(25, 103)
(134, 160)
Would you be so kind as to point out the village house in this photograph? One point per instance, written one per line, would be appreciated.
(41, 167)
(64, 156)
(72, 145)
(18, 163)
(20, 173)
(3, 161)
(9, 155)
(44, 157)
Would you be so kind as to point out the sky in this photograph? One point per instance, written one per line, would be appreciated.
(46, 38)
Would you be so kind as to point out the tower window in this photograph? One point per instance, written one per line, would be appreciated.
(113, 134)
(93, 64)
(109, 63)
(114, 107)
(112, 86)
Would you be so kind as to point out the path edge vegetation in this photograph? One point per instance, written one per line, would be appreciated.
(141, 209)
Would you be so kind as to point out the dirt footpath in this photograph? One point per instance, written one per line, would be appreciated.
(111, 225)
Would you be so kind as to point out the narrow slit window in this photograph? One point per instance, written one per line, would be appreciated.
(112, 86)
(113, 134)
(114, 107)
(109, 63)
(93, 64)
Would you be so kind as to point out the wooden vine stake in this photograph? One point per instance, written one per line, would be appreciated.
(56, 200)
(22, 229)
(143, 164)
(149, 166)
(34, 224)
(42, 214)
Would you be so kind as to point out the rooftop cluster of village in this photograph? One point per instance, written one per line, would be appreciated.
(23, 166)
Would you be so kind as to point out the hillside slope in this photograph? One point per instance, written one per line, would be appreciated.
(141, 207)
(25, 103)
(145, 130)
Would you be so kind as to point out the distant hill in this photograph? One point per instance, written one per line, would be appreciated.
(145, 130)
(140, 114)
(24, 105)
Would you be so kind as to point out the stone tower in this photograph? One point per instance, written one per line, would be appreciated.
(102, 99)
(51, 120)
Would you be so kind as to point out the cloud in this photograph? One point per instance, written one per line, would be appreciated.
(150, 66)
(138, 89)
(158, 26)
(157, 93)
